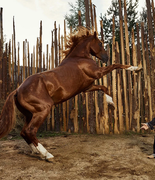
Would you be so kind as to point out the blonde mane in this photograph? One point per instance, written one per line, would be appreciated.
(74, 38)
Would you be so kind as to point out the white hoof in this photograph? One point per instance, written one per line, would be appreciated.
(44, 153)
(34, 149)
(110, 101)
(49, 155)
(50, 158)
(134, 68)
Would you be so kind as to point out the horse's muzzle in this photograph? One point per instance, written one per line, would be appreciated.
(104, 58)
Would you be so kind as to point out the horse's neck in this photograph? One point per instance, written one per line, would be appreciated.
(81, 50)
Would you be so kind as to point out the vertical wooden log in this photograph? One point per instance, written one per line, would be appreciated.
(128, 62)
(102, 36)
(148, 76)
(15, 63)
(79, 17)
(65, 34)
(40, 48)
(147, 98)
(135, 105)
(49, 61)
(62, 57)
(119, 93)
(4, 75)
(23, 60)
(43, 61)
(109, 85)
(152, 50)
(114, 81)
(12, 64)
(28, 63)
(18, 83)
(124, 73)
(95, 17)
(33, 63)
(1, 49)
(47, 58)
(140, 104)
(37, 44)
(87, 14)
(52, 63)
(55, 45)
(59, 47)
(9, 66)
(92, 18)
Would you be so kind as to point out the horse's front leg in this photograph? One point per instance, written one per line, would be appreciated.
(110, 68)
(105, 90)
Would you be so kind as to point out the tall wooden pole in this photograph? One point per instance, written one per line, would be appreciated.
(123, 62)
(1, 49)
(147, 93)
(139, 62)
(135, 93)
(15, 63)
(87, 14)
(37, 44)
(95, 22)
(116, 131)
(92, 17)
(152, 50)
(128, 62)
(23, 60)
(18, 83)
(9, 66)
(40, 48)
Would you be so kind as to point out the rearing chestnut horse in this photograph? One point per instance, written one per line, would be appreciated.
(38, 93)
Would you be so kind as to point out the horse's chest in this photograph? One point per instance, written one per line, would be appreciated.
(87, 83)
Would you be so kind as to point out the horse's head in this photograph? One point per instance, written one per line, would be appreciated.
(96, 49)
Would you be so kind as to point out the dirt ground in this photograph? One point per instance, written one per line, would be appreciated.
(80, 157)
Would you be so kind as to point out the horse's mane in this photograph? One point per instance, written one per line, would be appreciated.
(74, 38)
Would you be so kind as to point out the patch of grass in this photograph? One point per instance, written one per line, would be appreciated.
(45, 134)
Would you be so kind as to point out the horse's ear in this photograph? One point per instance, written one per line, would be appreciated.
(95, 35)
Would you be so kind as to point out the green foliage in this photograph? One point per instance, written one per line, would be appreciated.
(143, 18)
(72, 18)
(132, 18)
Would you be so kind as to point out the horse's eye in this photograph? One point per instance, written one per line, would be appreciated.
(100, 44)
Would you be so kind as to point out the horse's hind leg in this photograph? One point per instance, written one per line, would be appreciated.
(31, 129)
(28, 116)
(25, 137)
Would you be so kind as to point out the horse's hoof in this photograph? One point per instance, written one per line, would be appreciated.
(51, 160)
(139, 69)
(152, 156)
(111, 106)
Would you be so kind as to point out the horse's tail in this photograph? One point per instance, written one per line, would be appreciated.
(7, 119)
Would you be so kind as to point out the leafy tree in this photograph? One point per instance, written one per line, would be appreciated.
(72, 18)
(132, 18)
(143, 18)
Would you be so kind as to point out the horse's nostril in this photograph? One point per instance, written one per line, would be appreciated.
(104, 58)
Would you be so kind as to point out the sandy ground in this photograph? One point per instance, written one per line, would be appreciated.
(80, 157)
